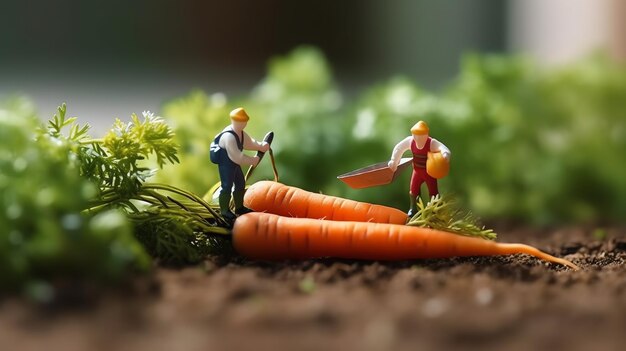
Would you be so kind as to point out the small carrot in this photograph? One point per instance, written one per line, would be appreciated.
(280, 199)
(269, 237)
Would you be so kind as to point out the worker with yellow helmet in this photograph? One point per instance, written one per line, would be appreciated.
(227, 152)
(421, 144)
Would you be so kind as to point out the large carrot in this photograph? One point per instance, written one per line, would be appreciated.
(280, 199)
(269, 237)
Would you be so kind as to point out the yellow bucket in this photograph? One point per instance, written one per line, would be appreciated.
(436, 165)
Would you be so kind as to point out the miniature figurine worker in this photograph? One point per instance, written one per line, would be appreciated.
(227, 152)
(420, 144)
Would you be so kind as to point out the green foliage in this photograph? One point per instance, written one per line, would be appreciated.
(297, 101)
(197, 119)
(443, 213)
(78, 209)
(549, 140)
(115, 161)
(172, 224)
(178, 231)
(527, 142)
(176, 237)
(44, 237)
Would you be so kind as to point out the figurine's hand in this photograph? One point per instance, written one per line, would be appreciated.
(392, 165)
(264, 146)
(446, 155)
(255, 161)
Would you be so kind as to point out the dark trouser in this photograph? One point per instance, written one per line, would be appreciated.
(231, 173)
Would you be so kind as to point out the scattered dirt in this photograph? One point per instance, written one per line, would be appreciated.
(512, 303)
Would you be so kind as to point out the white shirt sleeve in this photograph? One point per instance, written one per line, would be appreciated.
(437, 146)
(228, 141)
(400, 149)
(249, 143)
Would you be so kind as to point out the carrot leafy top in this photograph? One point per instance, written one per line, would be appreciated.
(443, 213)
(171, 223)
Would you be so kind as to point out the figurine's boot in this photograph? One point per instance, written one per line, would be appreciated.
(413, 204)
(224, 200)
(239, 207)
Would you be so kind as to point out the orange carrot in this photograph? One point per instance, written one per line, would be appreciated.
(269, 237)
(280, 199)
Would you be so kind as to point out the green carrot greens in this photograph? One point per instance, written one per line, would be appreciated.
(78, 208)
(171, 223)
(443, 213)
(45, 238)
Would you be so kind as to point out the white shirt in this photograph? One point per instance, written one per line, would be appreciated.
(405, 144)
(228, 142)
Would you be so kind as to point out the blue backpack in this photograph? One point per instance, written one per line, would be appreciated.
(218, 154)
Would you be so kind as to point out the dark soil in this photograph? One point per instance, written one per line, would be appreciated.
(500, 303)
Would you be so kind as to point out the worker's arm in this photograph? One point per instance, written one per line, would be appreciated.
(251, 144)
(437, 146)
(228, 142)
(398, 150)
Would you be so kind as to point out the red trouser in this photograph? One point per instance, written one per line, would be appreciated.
(420, 176)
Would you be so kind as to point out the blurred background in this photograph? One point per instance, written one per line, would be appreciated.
(528, 94)
(108, 58)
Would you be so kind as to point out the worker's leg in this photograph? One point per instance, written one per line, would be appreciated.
(238, 179)
(431, 183)
(240, 188)
(414, 192)
(227, 176)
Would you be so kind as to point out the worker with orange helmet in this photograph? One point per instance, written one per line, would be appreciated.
(227, 152)
(420, 144)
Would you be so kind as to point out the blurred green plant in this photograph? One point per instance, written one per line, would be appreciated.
(172, 224)
(298, 101)
(528, 143)
(45, 238)
(196, 119)
(78, 209)
(549, 139)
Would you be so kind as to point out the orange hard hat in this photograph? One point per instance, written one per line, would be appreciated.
(239, 115)
(420, 128)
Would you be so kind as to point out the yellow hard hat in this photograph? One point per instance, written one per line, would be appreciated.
(420, 128)
(239, 115)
